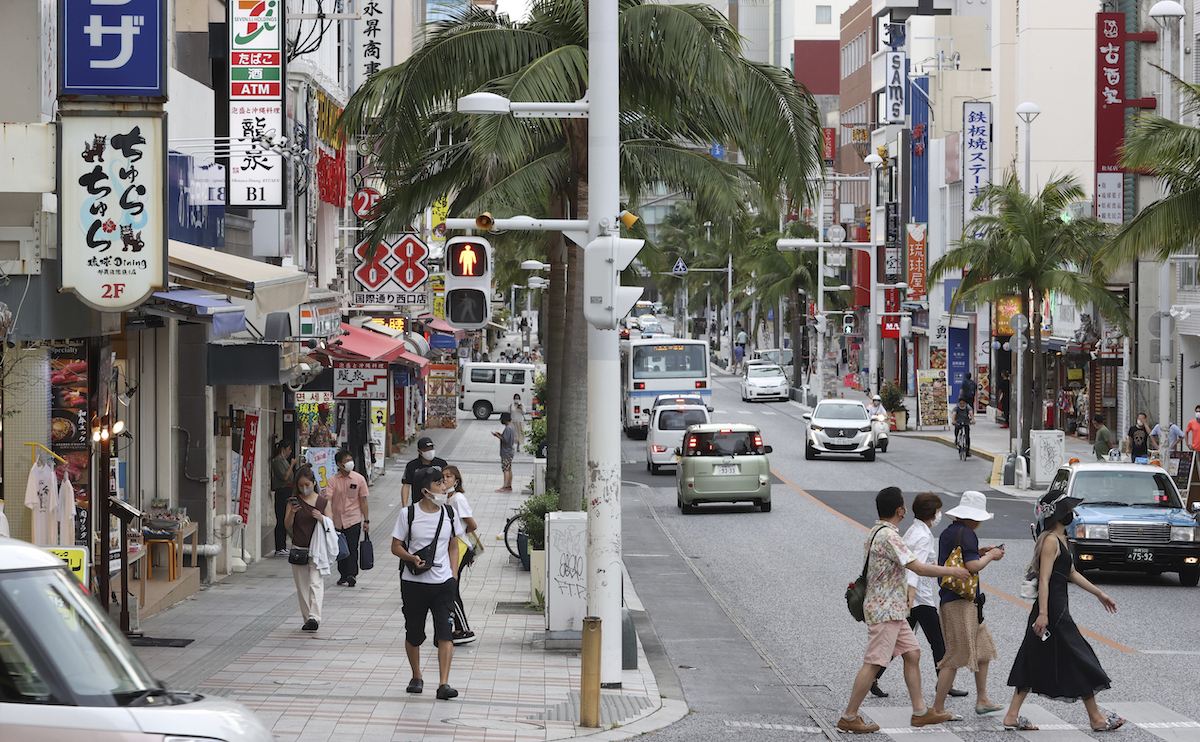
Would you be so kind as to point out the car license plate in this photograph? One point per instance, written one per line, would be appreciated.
(843, 441)
(1139, 554)
(676, 459)
(725, 469)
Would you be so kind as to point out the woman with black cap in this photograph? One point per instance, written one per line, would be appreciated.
(1054, 660)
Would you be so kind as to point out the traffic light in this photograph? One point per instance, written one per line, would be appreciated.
(848, 324)
(605, 300)
(468, 282)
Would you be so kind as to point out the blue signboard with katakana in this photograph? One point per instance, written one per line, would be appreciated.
(112, 48)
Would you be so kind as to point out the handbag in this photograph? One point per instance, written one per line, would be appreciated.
(965, 589)
(343, 547)
(366, 554)
(298, 556)
(856, 594)
(1029, 586)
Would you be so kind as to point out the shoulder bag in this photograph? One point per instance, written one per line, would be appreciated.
(965, 589)
(366, 553)
(856, 594)
(428, 552)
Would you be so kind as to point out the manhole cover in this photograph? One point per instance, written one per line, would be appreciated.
(497, 724)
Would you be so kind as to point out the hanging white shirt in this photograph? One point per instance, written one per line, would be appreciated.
(41, 497)
(66, 512)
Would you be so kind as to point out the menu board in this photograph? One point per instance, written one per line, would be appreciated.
(1181, 469)
(441, 396)
(984, 394)
(70, 431)
(933, 397)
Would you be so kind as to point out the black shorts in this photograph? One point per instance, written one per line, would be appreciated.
(422, 598)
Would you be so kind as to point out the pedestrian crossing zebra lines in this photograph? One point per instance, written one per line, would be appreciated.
(1155, 719)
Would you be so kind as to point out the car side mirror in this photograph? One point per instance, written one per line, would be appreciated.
(807, 416)
(678, 451)
(709, 408)
(767, 449)
(1196, 505)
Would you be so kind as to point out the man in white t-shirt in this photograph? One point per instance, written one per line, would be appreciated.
(433, 589)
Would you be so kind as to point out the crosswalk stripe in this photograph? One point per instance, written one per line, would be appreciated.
(1046, 723)
(1159, 720)
(896, 721)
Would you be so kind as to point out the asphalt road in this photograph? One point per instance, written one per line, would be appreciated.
(749, 609)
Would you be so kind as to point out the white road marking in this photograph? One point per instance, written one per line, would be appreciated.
(896, 720)
(1159, 720)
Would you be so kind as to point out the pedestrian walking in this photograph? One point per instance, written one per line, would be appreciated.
(283, 466)
(1054, 660)
(457, 499)
(1003, 392)
(519, 416)
(426, 457)
(428, 575)
(968, 642)
(885, 610)
(741, 337)
(1174, 432)
(508, 448)
(1192, 431)
(1103, 442)
(1137, 442)
(347, 491)
(739, 352)
(923, 591)
(306, 518)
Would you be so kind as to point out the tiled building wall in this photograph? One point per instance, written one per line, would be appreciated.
(26, 419)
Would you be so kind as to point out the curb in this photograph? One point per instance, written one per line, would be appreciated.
(668, 713)
(981, 453)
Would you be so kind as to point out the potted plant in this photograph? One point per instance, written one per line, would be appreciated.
(533, 523)
(893, 402)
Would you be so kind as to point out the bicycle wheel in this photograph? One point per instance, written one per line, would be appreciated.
(961, 440)
(510, 535)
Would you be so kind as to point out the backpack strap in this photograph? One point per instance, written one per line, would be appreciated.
(450, 510)
(867, 559)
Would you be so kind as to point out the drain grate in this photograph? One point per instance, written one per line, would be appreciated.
(514, 607)
(614, 708)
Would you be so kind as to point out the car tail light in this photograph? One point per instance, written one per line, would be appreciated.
(692, 442)
(758, 441)
(659, 449)
(636, 409)
(726, 431)
(701, 384)
(639, 385)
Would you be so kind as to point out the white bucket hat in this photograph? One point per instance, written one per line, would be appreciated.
(972, 506)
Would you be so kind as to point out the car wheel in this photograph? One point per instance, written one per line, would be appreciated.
(482, 410)
(809, 452)
(869, 455)
(1189, 577)
(654, 468)
(648, 466)
(764, 506)
(686, 508)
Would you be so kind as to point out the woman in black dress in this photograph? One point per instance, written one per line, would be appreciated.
(1054, 660)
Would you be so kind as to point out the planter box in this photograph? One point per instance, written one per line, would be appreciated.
(523, 549)
(537, 574)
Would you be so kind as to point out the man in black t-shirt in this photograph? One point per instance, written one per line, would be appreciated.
(425, 458)
(964, 417)
(1138, 442)
(967, 390)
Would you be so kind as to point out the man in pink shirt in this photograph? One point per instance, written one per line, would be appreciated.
(347, 492)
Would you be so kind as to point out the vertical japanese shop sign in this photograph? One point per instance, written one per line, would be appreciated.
(112, 48)
(246, 477)
(829, 139)
(1110, 116)
(895, 87)
(893, 258)
(70, 427)
(890, 324)
(112, 207)
(917, 236)
(372, 38)
(976, 156)
(959, 359)
(256, 105)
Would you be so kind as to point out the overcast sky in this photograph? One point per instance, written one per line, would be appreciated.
(517, 9)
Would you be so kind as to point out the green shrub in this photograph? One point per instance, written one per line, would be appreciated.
(533, 517)
(892, 398)
(535, 435)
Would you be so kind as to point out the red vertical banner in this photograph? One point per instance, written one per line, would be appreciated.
(246, 483)
(1110, 116)
(917, 237)
(830, 136)
(891, 318)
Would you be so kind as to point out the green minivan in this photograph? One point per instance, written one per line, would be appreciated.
(723, 462)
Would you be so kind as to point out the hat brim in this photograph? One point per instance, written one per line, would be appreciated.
(966, 512)
(1064, 506)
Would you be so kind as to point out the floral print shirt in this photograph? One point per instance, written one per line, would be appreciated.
(887, 575)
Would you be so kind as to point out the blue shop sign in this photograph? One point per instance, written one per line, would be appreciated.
(438, 340)
(112, 48)
(400, 376)
(958, 360)
(196, 194)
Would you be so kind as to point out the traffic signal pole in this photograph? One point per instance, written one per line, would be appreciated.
(604, 365)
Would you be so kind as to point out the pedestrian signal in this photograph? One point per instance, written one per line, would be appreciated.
(468, 259)
(468, 282)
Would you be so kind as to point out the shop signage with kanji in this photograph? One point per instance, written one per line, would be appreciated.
(392, 271)
(917, 236)
(257, 73)
(112, 49)
(372, 38)
(360, 379)
(976, 156)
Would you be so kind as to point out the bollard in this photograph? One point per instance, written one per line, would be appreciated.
(589, 681)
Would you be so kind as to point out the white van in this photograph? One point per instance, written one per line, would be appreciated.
(665, 434)
(488, 388)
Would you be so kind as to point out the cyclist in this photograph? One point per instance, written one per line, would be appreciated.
(964, 418)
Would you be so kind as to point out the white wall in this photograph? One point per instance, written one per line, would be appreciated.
(190, 113)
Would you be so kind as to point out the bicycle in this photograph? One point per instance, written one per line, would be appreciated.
(960, 440)
(510, 533)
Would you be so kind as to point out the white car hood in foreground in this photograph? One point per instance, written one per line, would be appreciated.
(216, 718)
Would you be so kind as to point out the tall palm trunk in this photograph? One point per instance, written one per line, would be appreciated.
(555, 329)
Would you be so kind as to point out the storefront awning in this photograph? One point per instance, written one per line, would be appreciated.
(366, 344)
(494, 326)
(438, 324)
(227, 318)
(412, 341)
(414, 359)
(274, 289)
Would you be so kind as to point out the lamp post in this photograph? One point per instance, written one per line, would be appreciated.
(1027, 112)
(1168, 14)
(874, 161)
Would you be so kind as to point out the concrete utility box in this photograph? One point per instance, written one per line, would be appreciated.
(539, 477)
(1047, 451)
(566, 571)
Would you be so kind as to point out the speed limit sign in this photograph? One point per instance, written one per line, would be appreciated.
(366, 201)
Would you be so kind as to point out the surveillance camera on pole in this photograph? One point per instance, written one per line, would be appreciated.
(468, 282)
(605, 300)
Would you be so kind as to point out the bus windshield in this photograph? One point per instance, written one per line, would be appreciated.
(669, 361)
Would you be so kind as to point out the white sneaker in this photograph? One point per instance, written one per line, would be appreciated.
(281, 552)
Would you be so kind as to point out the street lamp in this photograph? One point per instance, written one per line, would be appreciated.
(875, 162)
(1028, 112)
(534, 265)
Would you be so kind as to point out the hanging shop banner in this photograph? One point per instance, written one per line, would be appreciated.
(360, 379)
(1003, 310)
(441, 396)
(890, 324)
(976, 155)
(70, 428)
(378, 433)
(315, 424)
(1110, 116)
(246, 477)
(393, 272)
(437, 218)
(933, 398)
(893, 257)
(983, 395)
(895, 87)
(112, 206)
(257, 75)
(917, 236)
(958, 358)
(112, 48)
(829, 139)
(910, 365)
(372, 38)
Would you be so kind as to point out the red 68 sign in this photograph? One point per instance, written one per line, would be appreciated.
(392, 266)
(366, 203)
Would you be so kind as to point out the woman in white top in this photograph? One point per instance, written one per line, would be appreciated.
(923, 591)
(517, 410)
(452, 479)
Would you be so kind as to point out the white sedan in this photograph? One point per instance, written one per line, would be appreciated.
(839, 426)
(764, 381)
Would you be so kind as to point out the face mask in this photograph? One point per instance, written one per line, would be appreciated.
(439, 499)
(1141, 424)
(348, 465)
(937, 519)
(306, 490)
(1069, 519)
(427, 455)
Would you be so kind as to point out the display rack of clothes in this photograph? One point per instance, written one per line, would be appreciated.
(51, 502)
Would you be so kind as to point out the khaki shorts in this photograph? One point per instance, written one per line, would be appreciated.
(887, 640)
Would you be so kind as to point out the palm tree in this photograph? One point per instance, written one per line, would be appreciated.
(1023, 247)
(683, 79)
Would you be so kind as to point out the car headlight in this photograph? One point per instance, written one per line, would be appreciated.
(865, 430)
(815, 428)
(1184, 533)
(1094, 531)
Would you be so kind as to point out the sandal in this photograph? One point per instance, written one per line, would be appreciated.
(1112, 723)
(1022, 725)
(986, 709)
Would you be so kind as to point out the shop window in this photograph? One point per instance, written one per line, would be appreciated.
(1189, 275)
(824, 14)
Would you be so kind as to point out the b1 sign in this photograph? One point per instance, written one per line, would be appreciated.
(112, 48)
(112, 206)
(360, 379)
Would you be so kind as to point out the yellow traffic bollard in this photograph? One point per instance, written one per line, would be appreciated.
(589, 681)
